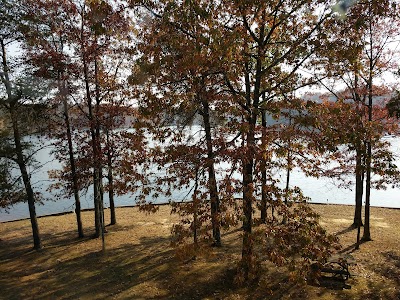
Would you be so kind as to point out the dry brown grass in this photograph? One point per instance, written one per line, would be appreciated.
(140, 264)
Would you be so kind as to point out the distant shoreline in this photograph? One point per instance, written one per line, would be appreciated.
(165, 204)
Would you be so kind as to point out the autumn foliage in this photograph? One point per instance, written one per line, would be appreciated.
(202, 104)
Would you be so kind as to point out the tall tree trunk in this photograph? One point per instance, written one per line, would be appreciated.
(96, 198)
(110, 178)
(12, 101)
(248, 190)
(263, 206)
(359, 190)
(359, 194)
(289, 165)
(248, 164)
(367, 233)
(74, 175)
(195, 210)
(212, 182)
(95, 134)
(98, 154)
(37, 244)
(101, 210)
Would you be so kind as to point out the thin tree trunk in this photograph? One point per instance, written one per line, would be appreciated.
(287, 183)
(74, 175)
(212, 182)
(101, 210)
(110, 178)
(248, 165)
(96, 174)
(263, 206)
(248, 194)
(73, 170)
(367, 233)
(12, 100)
(37, 244)
(289, 165)
(247, 247)
(96, 199)
(98, 154)
(359, 195)
(195, 210)
(359, 190)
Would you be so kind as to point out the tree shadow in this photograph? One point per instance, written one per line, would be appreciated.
(145, 269)
(391, 269)
(346, 230)
(332, 283)
(351, 248)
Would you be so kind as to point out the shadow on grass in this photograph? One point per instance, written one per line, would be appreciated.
(145, 270)
(346, 230)
(373, 290)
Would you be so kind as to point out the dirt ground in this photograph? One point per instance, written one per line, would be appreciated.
(139, 262)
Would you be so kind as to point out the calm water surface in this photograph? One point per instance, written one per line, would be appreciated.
(322, 190)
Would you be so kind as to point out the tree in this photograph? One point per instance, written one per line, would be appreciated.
(365, 55)
(80, 44)
(378, 33)
(13, 96)
(185, 70)
(46, 35)
(340, 134)
(101, 26)
(117, 143)
(266, 37)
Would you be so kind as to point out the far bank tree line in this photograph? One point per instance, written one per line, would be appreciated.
(90, 64)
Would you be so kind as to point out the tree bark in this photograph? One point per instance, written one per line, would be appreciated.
(212, 182)
(195, 210)
(110, 178)
(37, 244)
(263, 206)
(289, 165)
(98, 154)
(359, 190)
(247, 247)
(12, 101)
(96, 198)
(367, 233)
(74, 174)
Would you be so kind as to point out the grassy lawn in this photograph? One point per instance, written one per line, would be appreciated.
(139, 262)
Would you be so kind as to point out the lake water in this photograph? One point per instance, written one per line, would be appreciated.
(322, 190)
